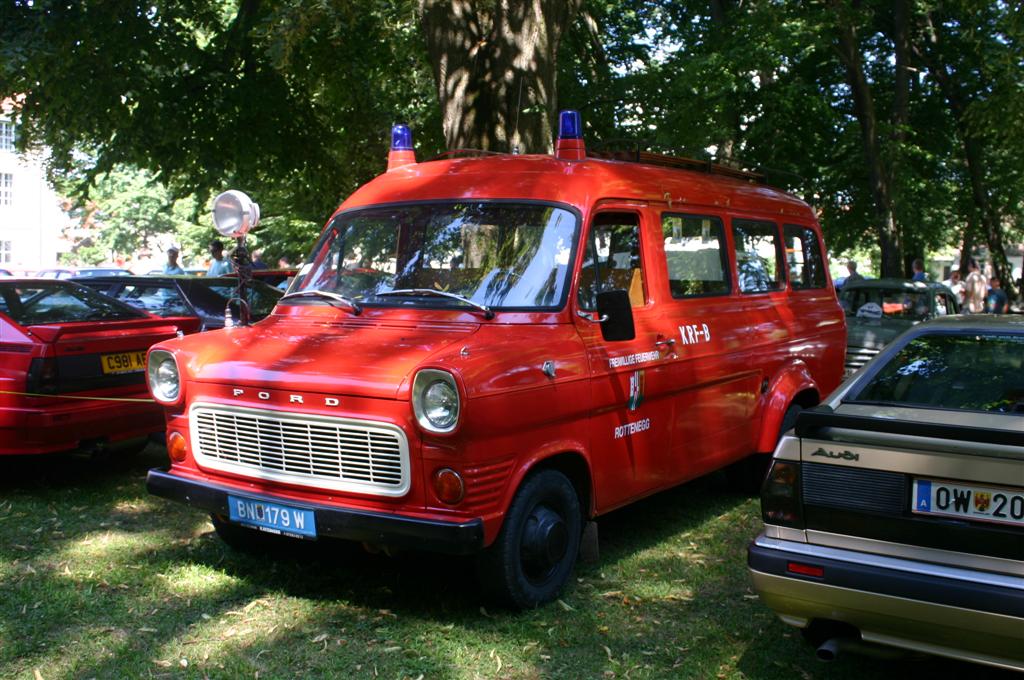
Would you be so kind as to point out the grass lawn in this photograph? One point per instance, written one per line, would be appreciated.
(100, 580)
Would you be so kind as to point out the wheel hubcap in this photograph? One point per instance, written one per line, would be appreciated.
(545, 542)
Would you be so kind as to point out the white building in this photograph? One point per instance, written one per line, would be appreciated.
(30, 212)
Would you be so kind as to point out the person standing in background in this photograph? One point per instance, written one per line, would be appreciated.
(918, 267)
(172, 266)
(220, 264)
(996, 302)
(851, 267)
(974, 290)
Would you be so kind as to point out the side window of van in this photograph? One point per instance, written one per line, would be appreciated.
(803, 256)
(758, 259)
(695, 255)
(612, 259)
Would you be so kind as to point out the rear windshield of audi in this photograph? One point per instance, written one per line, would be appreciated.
(30, 303)
(970, 372)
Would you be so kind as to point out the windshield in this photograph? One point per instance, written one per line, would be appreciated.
(891, 303)
(39, 302)
(262, 298)
(502, 255)
(975, 372)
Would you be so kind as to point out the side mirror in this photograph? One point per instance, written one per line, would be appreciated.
(613, 306)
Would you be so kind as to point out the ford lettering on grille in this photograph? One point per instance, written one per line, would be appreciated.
(343, 454)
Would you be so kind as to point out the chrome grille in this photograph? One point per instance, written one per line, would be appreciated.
(309, 450)
(858, 356)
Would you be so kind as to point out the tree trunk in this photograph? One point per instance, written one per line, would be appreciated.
(495, 68)
(878, 176)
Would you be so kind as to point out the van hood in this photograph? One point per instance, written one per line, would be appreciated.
(355, 358)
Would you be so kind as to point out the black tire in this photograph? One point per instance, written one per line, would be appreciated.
(747, 475)
(535, 552)
(251, 541)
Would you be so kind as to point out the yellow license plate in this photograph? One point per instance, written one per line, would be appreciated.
(124, 362)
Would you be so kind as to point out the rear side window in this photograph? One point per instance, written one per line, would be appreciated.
(695, 255)
(758, 260)
(162, 300)
(803, 257)
(970, 372)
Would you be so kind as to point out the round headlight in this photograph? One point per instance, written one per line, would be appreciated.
(164, 382)
(234, 213)
(435, 400)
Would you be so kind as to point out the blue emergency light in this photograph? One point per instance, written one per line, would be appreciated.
(401, 138)
(570, 125)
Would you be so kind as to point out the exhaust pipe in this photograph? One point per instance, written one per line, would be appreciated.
(830, 649)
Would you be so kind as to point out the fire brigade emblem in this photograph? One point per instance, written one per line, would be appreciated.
(636, 390)
(981, 501)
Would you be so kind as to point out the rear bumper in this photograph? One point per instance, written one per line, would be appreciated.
(398, 531)
(64, 426)
(953, 612)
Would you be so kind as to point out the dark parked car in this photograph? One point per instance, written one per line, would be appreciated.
(894, 512)
(878, 310)
(202, 298)
(72, 369)
(80, 272)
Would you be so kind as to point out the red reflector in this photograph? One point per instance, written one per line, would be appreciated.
(805, 569)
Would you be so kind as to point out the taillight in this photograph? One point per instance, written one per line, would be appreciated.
(780, 495)
(42, 376)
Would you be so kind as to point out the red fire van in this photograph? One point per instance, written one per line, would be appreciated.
(482, 354)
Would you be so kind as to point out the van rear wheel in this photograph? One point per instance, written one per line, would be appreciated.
(536, 550)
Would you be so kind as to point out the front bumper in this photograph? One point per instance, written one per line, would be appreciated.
(380, 528)
(954, 612)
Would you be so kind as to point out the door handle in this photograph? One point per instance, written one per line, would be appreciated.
(668, 343)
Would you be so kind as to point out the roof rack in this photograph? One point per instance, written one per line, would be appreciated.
(681, 162)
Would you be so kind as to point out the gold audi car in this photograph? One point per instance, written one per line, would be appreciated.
(894, 512)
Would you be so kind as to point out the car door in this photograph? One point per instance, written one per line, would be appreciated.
(631, 405)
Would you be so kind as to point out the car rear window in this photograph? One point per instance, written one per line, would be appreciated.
(970, 372)
(40, 302)
(161, 299)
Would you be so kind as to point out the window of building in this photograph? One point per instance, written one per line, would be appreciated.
(758, 257)
(6, 188)
(803, 256)
(695, 255)
(6, 136)
(5, 252)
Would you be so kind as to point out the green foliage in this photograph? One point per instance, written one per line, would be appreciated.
(291, 100)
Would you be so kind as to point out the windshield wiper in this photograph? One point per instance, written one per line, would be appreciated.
(356, 308)
(488, 312)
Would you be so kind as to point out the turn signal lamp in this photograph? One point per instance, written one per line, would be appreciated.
(448, 486)
(781, 504)
(401, 152)
(570, 146)
(176, 448)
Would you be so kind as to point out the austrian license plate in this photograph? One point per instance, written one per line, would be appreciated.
(123, 362)
(968, 501)
(272, 517)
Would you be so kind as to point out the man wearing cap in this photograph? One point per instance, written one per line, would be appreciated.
(172, 266)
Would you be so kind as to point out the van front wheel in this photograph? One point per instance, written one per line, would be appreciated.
(534, 554)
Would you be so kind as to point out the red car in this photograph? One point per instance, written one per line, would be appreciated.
(482, 355)
(72, 368)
